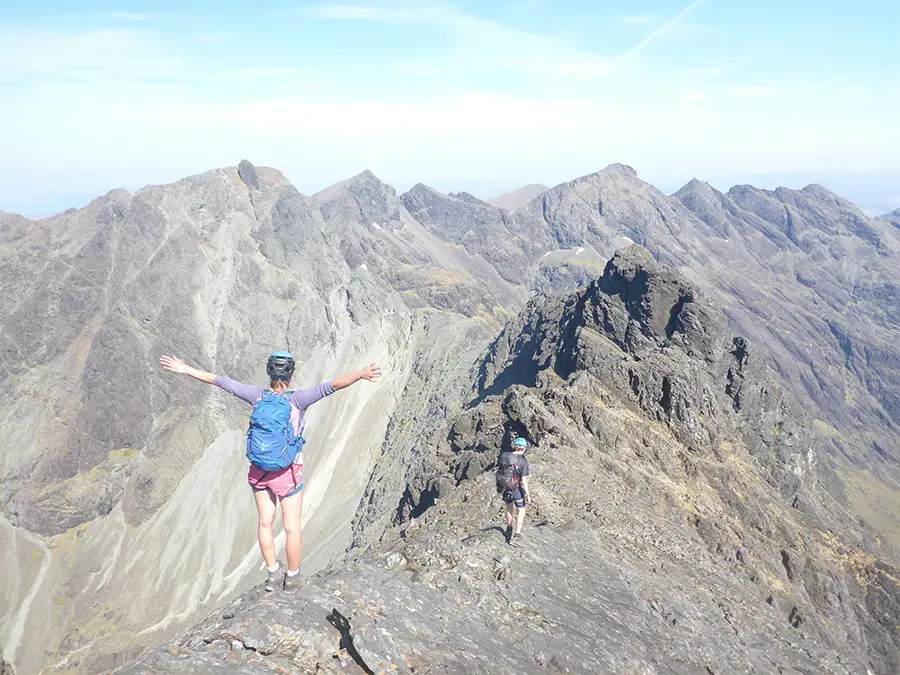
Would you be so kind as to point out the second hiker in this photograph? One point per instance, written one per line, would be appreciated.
(512, 484)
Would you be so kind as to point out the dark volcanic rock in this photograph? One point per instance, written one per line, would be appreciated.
(650, 339)
(248, 174)
(678, 523)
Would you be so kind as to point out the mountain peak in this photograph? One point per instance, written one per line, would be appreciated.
(613, 173)
(821, 192)
(697, 187)
(420, 194)
(362, 198)
(618, 167)
(516, 199)
(366, 177)
(424, 199)
(467, 197)
(696, 184)
(365, 181)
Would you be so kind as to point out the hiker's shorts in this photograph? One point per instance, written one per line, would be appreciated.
(284, 483)
(516, 497)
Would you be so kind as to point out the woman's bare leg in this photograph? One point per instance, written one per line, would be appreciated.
(266, 506)
(520, 518)
(291, 510)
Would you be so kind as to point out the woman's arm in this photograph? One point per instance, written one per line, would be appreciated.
(176, 365)
(303, 398)
(371, 373)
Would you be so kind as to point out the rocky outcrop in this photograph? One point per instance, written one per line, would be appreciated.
(678, 522)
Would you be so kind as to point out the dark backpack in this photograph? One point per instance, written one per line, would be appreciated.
(271, 443)
(509, 476)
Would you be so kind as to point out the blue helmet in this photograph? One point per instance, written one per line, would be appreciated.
(280, 366)
(520, 443)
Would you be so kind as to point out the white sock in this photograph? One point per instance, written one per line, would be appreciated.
(294, 573)
(274, 569)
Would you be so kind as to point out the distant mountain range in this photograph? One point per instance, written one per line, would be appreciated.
(123, 492)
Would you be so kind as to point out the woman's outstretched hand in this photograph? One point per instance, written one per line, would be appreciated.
(371, 372)
(173, 363)
(176, 365)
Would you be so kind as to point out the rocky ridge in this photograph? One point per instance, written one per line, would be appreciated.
(802, 271)
(680, 522)
(421, 281)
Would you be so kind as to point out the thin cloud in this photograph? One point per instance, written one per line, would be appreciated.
(135, 16)
(478, 44)
(482, 44)
(639, 19)
(94, 56)
(751, 91)
(790, 90)
(701, 73)
(214, 39)
(379, 13)
(666, 28)
(697, 96)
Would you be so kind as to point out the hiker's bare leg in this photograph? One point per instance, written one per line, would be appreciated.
(265, 505)
(509, 515)
(291, 510)
(520, 518)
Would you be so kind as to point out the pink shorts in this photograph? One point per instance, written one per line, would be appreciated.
(283, 483)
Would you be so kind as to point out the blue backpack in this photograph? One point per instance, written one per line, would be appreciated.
(271, 443)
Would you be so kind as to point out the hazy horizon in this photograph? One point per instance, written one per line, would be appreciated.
(458, 94)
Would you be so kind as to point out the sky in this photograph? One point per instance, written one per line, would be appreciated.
(481, 96)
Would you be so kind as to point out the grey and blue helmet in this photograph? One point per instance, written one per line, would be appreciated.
(280, 366)
(520, 443)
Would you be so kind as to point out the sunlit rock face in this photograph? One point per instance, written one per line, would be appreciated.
(753, 337)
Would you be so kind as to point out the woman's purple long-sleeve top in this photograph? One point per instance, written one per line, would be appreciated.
(301, 399)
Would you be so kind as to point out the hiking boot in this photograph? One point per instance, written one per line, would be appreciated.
(508, 534)
(516, 540)
(292, 583)
(272, 580)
